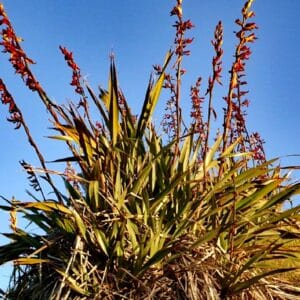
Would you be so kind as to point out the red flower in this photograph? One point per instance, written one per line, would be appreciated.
(197, 101)
(18, 58)
(250, 26)
(6, 98)
(76, 76)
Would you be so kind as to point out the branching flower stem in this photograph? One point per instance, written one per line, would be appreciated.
(181, 44)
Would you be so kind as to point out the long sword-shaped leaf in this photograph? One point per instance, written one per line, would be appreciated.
(212, 151)
(285, 194)
(250, 282)
(46, 206)
(185, 154)
(156, 258)
(114, 125)
(152, 96)
(98, 104)
(101, 240)
(30, 261)
(257, 196)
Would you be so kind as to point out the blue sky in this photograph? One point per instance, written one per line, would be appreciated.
(140, 33)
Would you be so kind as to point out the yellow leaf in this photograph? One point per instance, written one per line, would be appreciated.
(30, 261)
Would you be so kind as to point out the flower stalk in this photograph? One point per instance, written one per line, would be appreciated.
(234, 121)
(181, 43)
(216, 77)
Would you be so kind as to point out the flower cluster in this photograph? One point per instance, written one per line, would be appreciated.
(217, 59)
(172, 119)
(7, 99)
(196, 113)
(245, 36)
(180, 41)
(236, 101)
(256, 143)
(181, 27)
(76, 76)
(71, 176)
(18, 58)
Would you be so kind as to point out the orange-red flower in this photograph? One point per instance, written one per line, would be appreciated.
(256, 146)
(197, 100)
(7, 99)
(235, 112)
(18, 58)
(76, 76)
(217, 59)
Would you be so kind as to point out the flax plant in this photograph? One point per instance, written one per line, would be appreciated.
(144, 217)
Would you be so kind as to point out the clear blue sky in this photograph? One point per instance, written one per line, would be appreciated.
(140, 33)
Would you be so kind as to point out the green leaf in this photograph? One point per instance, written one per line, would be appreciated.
(254, 172)
(237, 288)
(114, 125)
(65, 224)
(257, 196)
(162, 198)
(229, 151)
(67, 159)
(285, 194)
(142, 179)
(46, 206)
(93, 192)
(156, 258)
(99, 106)
(255, 258)
(185, 154)
(207, 237)
(86, 140)
(71, 282)
(71, 190)
(152, 96)
(212, 151)
(80, 224)
(65, 138)
(132, 235)
(101, 239)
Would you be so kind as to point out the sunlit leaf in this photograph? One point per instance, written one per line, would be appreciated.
(72, 283)
(151, 99)
(30, 261)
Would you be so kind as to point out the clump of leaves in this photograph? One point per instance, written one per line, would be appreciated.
(147, 218)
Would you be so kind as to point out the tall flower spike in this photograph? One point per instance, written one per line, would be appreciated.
(173, 117)
(234, 120)
(18, 58)
(20, 61)
(217, 59)
(76, 81)
(196, 113)
(76, 76)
